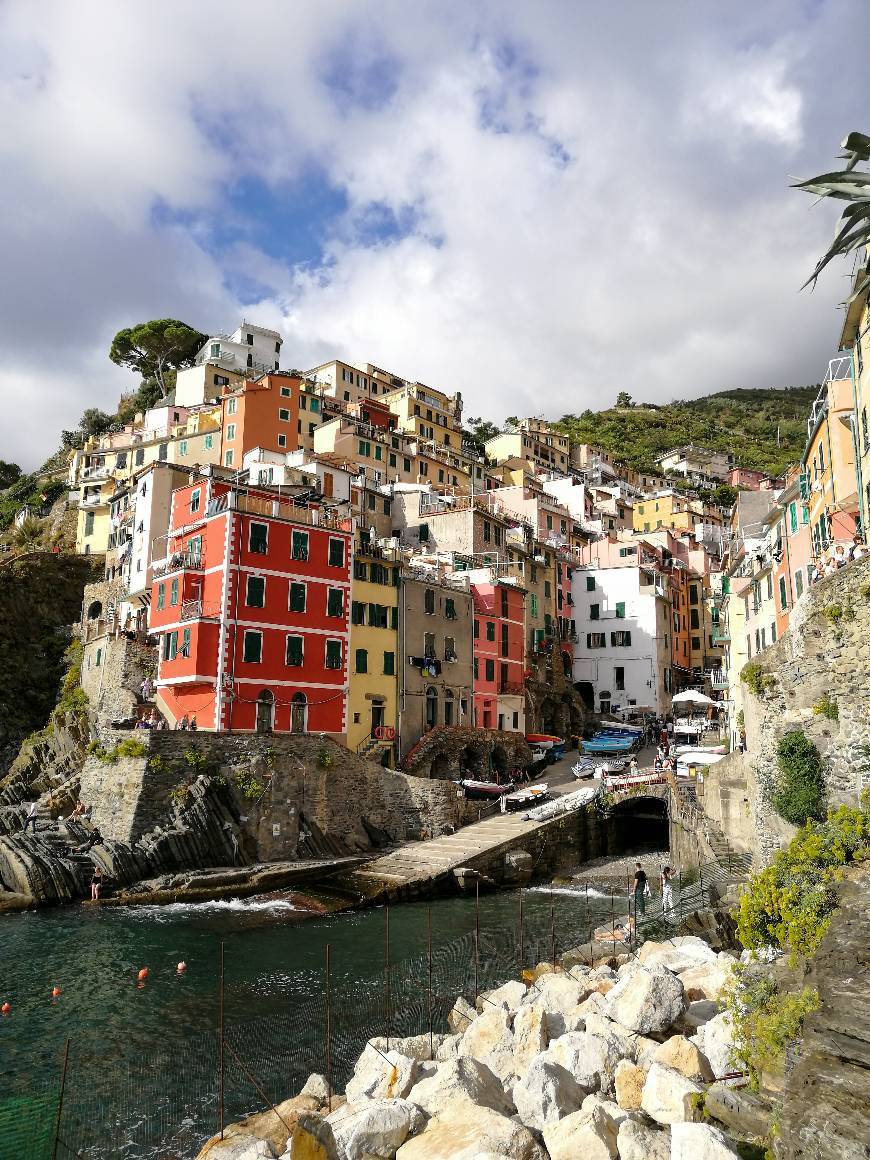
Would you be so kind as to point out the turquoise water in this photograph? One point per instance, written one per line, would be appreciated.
(129, 1043)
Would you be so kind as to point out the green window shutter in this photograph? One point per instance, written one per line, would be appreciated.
(424, 533)
(534, 604)
(297, 597)
(335, 602)
(299, 548)
(258, 538)
(161, 597)
(362, 660)
(255, 597)
(253, 648)
(357, 612)
(594, 611)
(394, 618)
(295, 655)
(590, 583)
(173, 645)
(450, 608)
(173, 592)
(389, 664)
(379, 453)
(185, 643)
(336, 553)
(620, 610)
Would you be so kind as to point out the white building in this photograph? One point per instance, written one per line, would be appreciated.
(621, 658)
(249, 347)
(324, 475)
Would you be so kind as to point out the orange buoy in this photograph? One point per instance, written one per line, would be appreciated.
(55, 992)
(181, 968)
(143, 975)
(5, 1009)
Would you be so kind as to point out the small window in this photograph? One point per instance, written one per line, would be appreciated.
(208, 442)
(173, 592)
(534, 604)
(596, 640)
(336, 553)
(590, 583)
(362, 660)
(139, 458)
(429, 602)
(182, 448)
(783, 603)
(335, 602)
(161, 597)
(286, 393)
(232, 407)
(620, 639)
(255, 594)
(297, 597)
(333, 654)
(228, 459)
(282, 440)
(450, 608)
(253, 648)
(170, 646)
(258, 538)
(424, 533)
(594, 611)
(620, 610)
(490, 670)
(295, 654)
(284, 414)
(231, 432)
(490, 630)
(299, 546)
(389, 664)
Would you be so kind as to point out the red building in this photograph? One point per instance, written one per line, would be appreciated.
(499, 619)
(251, 606)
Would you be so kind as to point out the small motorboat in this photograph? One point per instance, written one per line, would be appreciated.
(530, 795)
(485, 790)
(607, 745)
(689, 750)
(542, 738)
(622, 726)
(583, 770)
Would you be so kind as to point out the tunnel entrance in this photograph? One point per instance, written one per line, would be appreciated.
(636, 826)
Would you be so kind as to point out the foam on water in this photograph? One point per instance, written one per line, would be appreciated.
(572, 891)
(230, 905)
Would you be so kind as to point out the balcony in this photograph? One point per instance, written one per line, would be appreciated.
(196, 610)
(721, 634)
(511, 688)
(178, 562)
(718, 679)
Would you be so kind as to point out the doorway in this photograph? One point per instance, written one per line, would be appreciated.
(298, 713)
(265, 712)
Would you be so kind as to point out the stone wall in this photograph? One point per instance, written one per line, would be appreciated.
(824, 654)
(461, 750)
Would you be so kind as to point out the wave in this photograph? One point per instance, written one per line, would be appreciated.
(572, 891)
(217, 905)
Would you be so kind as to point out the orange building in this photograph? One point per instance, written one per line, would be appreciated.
(273, 412)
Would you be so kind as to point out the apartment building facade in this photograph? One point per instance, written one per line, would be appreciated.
(499, 653)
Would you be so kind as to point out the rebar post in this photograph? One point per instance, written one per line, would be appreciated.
(553, 930)
(328, 1044)
(387, 970)
(221, 1044)
(429, 969)
(522, 934)
(60, 1094)
(476, 968)
(612, 921)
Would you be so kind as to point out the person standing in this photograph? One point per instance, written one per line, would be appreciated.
(639, 887)
(30, 820)
(667, 890)
(96, 883)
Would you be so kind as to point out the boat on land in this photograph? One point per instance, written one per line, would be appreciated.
(692, 750)
(599, 744)
(543, 738)
(621, 726)
(530, 795)
(485, 790)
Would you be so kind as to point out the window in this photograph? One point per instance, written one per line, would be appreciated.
(476, 629)
(362, 660)
(89, 523)
(336, 553)
(139, 457)
(286, 393)
(696, 642)
(534, 604)
(431, 708)
(504, 640)
(783, 603)
(424, 533)
(182, 448)
(620, 639)
(619, 678)
(282, 442)
(365, 448)
(215, 350)
(475, 669)
(429, 645)
(389, 664)
(170, 646)
(769, 586)
(694, 619)
(547, 588)
(333, 654)
(798, 584)
(449, 648)
(360, 570)
(231, 432)
(429, 602)
(490, 670)
(490, 630)
(590, 583)
(228, 459)
(596, 640)
(620, 610)
(295, 652)
(406, 463)
(378, 616)
(487, 531)
(594, 611)
(335, 602)
(173, 592)
(258, 538)
(232, 407)
(253, 648)
(299, 546)
(161, 597)
(448, 707)
(255, 594)
(99, 658)
(284, 414)
(450, 608)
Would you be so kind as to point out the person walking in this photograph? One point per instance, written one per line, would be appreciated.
(30, 820)
(667, 890)
(639, 886)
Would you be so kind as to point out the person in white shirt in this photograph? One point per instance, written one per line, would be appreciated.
(30, 820)
(857, 550)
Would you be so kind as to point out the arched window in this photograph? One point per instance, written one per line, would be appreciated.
(298, 713)
(265, 712)
(95, 610)
(431, 707)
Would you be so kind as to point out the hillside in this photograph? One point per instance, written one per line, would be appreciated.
(743, 421)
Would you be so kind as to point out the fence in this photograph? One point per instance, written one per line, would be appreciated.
(166, 1105)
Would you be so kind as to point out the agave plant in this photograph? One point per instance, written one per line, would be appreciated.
(851, 185)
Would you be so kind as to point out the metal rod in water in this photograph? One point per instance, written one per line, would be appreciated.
(57, 1120)
(387, 970)
(221, 1044)
(553, 930)
(429, 969)
(328, 997)
(522, 934)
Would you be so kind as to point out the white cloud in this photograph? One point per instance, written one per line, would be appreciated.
(598, 196)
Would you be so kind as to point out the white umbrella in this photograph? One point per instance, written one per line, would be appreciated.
(690, 697)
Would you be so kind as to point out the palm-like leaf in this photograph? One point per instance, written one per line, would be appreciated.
(850, 185)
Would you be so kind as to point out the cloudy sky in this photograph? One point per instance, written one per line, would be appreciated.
(536, 202)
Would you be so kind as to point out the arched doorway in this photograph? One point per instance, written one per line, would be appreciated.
(95, 610)
(265, 712)
(431, 707)
(298, 713)
(440, 766)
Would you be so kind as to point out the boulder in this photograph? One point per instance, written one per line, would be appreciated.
(591, 1059)
(716, 1041)
(546, 1093)
(686, 1058)
(708, 980)
(413, 1046)
(636, 1141)
(677, 954)
(461, 1015)
(273, 1127)
(466, 1132)
(557, 992)
(508, 995)
(698, 1012)
(448, 1048)
(700, 1142)
(312, 1139)
(629, 1080)
(374, 1128)
(490, 1040)
(649, 1000)
(743, 1113)
(622, 1041)
(381, 1075)
(530, 1037)
(644, 1050)
(316, 1088)
(242, 1146)
(595, 1100)
(593, 1004)
(460, 1081)
(668, 1097)
(592, 1137)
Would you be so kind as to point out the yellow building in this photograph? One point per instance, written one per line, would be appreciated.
(534, 441)
(374, 652)
(673, 509)
(855, 327)
(829, 484)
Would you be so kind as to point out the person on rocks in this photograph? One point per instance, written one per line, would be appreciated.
(30, 820)
(639, 887)
(234, 841)
(96, 883)
(857, 550)
(147, 688)
(94, 838)
(667, 890)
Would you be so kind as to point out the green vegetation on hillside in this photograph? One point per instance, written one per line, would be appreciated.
(744, 422)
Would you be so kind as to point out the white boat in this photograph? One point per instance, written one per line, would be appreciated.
(685, 760)
(609, 723)
(689, 750)
(530, 795)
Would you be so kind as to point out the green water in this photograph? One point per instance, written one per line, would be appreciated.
(134, 1048)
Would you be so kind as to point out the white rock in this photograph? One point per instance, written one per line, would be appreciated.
(677, 954)
(448, 1048)
(490, 1040)
(460, 1081)
(613, 1110)
(685, 1057)
(461, 1015)
(621, 1041)
(381, 1075)
(316, 1087)
(698, 1012)
(647, 1001)
(700, 1142)
(591, 1059)
(414, 1046)
(546, 1093)
(556, 993)
(242, 1147)
(469, 1131)
(639, 1142)
(530, 1037)
(582, 1136)
(716, 1041)
(509, 995)
(375, 1128)
(708, 980)
(667, 1096)
(644, 1050)
(594, 1004)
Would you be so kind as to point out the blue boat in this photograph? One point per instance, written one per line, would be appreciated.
(607, 745)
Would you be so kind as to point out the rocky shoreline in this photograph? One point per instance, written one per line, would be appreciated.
(627, 1059)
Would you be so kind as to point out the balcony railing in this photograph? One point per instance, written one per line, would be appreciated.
(511, 688)
(177, 562)
(718, 679)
